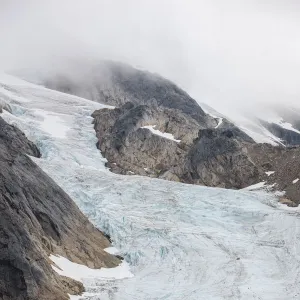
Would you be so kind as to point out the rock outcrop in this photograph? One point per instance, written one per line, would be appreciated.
(203, 155)
(37, 218)
(212, 151)
(220, 157)
(281, 168)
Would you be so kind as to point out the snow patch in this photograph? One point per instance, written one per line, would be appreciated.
(254, 187)
(209, 111)
(112, 250)
(84, 296)
(269, 173)
(80, 273)
(220, 121)
(165, 135)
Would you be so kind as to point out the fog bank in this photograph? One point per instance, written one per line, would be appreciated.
(224, 53)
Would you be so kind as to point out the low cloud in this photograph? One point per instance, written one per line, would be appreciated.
(224, 53)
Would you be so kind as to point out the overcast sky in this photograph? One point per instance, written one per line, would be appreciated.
(221, 52)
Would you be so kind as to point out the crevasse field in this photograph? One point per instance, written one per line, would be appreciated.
(181, 242)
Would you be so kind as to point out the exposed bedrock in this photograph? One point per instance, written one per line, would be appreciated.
(37, 218)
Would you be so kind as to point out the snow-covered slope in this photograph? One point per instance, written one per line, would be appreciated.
(181, 241)
(276, 125)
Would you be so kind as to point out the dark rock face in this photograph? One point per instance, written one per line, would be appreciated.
(203, 156)
(218, 158)
(221, 157)
(37, 218)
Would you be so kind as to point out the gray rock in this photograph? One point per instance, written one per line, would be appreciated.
(223, 156)
(213, 157)
(38, 218)
(284, 162)
(218, 158)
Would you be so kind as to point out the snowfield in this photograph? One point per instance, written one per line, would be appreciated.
(249, 122)
(180, 241)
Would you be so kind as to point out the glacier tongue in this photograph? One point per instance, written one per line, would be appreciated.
(182, 241)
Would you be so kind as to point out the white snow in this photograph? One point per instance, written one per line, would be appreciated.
(213, 113)
(257, 186)
(295, 181)
(279, 121)
(259, 134)
(181, 241)
(84, 296)
(248, 121)
(165, 135)
(81, 273)
(220, 121)
(112, 250)
(269, 173)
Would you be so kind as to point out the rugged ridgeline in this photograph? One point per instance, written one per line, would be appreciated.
(116, 83)
(222, 157)
(202, 149)
(37, 218)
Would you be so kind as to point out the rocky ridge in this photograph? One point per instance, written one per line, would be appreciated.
(37, 218)
(212, 151)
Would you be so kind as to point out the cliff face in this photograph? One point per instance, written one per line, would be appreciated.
(38, 218)
(208, 156)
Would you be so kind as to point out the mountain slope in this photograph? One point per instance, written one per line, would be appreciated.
(115, 83)
(182, 241)
(37, 218)
(273, 124)
(202, 146)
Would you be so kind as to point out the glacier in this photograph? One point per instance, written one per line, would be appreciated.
(181, 241)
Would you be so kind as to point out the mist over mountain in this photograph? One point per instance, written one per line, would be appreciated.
(149, 150)
(223, 54)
